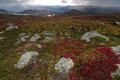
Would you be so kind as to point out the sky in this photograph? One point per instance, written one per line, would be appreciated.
(27, 3)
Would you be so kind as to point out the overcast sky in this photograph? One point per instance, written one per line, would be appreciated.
(25, 3)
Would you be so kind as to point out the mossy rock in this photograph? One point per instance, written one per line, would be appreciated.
(98, 39)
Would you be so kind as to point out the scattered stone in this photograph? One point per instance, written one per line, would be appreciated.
(47, 39)
(23, 38)
(49, 34)
(35, 38)
(2, 38)
(118, 23)
(116, 49)
(25, 59)
(12, 28)
(24, 21)
(39, 46)
(22, 34)
(2, 32)
(64, 65)
(92, 34)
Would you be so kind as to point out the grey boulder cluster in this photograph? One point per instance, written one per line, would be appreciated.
(64, 65)
(46, 37)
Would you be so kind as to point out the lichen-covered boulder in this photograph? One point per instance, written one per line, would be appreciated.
(118, 23)
(25, 59)
(116, 49)
(92, 34)
(2, 38)
(64, 65)
(12, 28)
(117, 73)
(1, 32)
(39, 46)
(35, 38)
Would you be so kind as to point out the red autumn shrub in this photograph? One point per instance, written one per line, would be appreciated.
(92, 61)
(102, 67)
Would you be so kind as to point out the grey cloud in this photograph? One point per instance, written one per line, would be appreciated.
(64, 1)
(13, 1)
(22, 4)
(99, 2)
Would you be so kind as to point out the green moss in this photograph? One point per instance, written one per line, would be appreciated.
(98, 39)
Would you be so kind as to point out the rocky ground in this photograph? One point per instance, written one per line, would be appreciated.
(65, 50)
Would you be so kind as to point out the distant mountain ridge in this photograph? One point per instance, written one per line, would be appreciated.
(38, 12)
(96, 9)
(48, 10)
(3, 11)
(73, 12)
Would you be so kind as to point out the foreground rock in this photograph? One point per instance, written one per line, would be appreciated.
(116, 49)
(92, 34)
(25, 59)
(64, 65)
(118, 23)
(117, 73)
(12, 28)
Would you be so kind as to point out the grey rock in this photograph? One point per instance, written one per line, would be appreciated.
(92, 34)
(22, 38)
(48, 34)
(39, 46)
(25, 59)
(35, 37)
(64, 65)
(118, 23)
(22, 34)
(116, 49)
(47, 39)
(12, 28)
